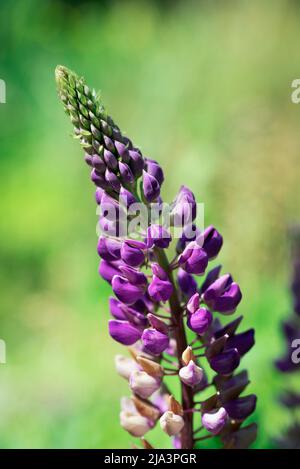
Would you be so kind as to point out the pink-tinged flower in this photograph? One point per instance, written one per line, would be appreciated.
(193, 259)
(155, 342)
(171, 423)
(124, 332)
(134, 423)
(191, 374)
(157, 323)
(143, 384)
(223, 295)
(200, 320)
(125, 366)
(193, 303)
(215, 421)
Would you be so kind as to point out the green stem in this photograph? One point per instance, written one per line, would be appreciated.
(181, 342)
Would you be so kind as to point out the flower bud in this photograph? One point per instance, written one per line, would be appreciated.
(214, 422)
(151, 187)
(110, 159)
(155, 170)
(223, 295)
(184, 207)
(225, 362)
(132, 254)
(160, 290)
(125, 366)
(155, 342)
(125, 291)
(200, 320)
(122, 151)
(123, 332)
(193, 303)
(113, 180)
(134, 423)
(136, 163)
(108, 270)
(191, 374)
(108, 248)
(212, 242)
(187, 283)
(126, 174)
(171, 423)
(193, 259)
(158, 236)
(143, 384)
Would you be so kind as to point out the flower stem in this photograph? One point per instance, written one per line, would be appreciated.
(181, 342)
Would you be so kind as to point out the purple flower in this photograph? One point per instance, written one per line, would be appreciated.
(215, 421)
(184, 207)
(193, 259)
(241, 408)
(108, 270)
(122, 151)
(127, 198)
(223, 295)
(151, 187)
(123, 332)
(186, 282)
(136, 163)
(158, 236)
(160, 289)
(155, 342)
(125, 291)
(189, 233)
(212, 242)
(191, 374)
(200, 320)
(143, 278)
(110, 159)
(132, 254)
(109, 249)
(126, 174)
(225, 362)
(155, 170)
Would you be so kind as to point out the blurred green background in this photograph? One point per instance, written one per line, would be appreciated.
(204, 87)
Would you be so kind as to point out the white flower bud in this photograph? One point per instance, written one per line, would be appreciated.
(143, 384)
(191, 374)
(171, 423)
(134, 423)
(125, 366)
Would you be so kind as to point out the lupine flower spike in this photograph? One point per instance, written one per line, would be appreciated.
(170, 324)
(289, 362)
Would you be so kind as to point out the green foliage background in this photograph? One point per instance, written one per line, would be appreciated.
(204, 87)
